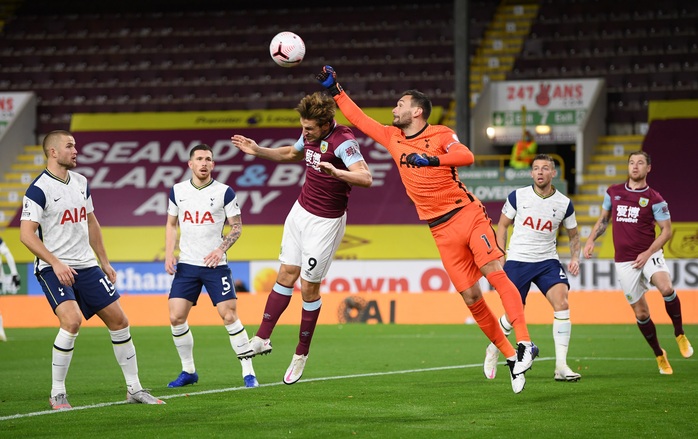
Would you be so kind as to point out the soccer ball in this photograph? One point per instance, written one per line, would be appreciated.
(287, 49)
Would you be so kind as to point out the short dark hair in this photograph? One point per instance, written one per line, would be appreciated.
(643, 153)
(200, 147)
(50, 138)
(544, 157)
(420, 100)
(319, 107)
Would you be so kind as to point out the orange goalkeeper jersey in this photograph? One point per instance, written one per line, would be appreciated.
(435, 191)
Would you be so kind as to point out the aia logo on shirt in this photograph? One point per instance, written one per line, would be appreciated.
(74, 216)
(538, 224)
(197, 217)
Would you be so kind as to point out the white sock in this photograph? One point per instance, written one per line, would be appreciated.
(247, 368)
(63, 347)
(125, 353)
(505, 325)
(184, 342)
(240, 342)
(562, 328)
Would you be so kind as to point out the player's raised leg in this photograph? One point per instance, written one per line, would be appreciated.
(492, 353)
(277, 302)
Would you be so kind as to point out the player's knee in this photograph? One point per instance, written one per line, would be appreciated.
(176, 319)
(72, 326)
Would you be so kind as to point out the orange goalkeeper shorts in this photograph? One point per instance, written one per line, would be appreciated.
(466, 242)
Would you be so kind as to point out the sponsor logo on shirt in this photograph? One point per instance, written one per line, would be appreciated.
(74, 215)
(627, 214)
(197, 217)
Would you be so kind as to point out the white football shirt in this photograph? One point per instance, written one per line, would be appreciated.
(203, 213)
(61, 209)
(536, 223)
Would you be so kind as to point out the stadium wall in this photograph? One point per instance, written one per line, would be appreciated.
(600, 307)
(672, 144)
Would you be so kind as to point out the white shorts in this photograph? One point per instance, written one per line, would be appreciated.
(310, 242)
(635, 282)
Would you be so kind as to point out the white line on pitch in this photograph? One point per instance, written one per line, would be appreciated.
(308, 380)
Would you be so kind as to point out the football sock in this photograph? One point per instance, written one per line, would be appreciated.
(240, 342)
(650, 332)
(511, 300)
(184, 342)
(63, 347)
(309, 316)
(247, 368)
(673, 308)
(277, 302)
(505, 325)
(562, 329)
(488, 324)
(125, 353)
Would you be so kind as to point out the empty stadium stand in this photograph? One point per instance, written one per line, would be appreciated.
(217, 59)
(213, 55)
(645, 51)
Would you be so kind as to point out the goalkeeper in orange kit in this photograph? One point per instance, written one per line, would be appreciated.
(427, 157)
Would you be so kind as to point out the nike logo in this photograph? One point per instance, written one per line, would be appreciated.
(56, 199)
(112, 292)
(181, 200)
(128, 358)
(225, 292)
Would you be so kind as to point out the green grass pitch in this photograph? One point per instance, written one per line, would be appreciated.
(368, 381)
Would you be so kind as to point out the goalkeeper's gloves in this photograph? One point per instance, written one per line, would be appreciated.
(328, 79)
(417, 160)
(16, 281)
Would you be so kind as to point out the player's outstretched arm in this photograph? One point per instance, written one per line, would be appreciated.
(328, 78)
(281, 154)
(372, 128)
(457, 155)
(357, 174)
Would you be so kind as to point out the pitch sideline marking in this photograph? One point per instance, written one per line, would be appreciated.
(309, 380)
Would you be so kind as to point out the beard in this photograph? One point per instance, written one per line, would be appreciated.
(638, 178)
(399, 123)
(67, 164)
